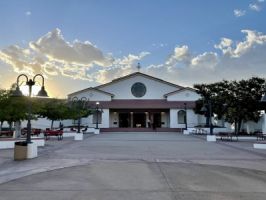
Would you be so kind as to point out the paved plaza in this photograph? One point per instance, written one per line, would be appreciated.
(136, 166)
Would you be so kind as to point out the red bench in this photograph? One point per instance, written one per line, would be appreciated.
(57, 133)
(34, 131)
(6, 133)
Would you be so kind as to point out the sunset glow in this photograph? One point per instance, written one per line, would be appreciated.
(184, 42)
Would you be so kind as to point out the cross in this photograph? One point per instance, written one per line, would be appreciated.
(138, 67)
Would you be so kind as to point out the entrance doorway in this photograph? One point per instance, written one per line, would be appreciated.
(157, 120)
(124, 120)
(139, 120)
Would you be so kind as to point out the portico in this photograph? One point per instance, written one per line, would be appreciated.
(139, 118)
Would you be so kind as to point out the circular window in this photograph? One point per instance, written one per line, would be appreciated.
(138, 89)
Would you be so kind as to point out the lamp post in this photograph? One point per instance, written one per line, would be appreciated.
(81, 104)
(41, 93)
(185, 105)
(97, 117)
(208, 108)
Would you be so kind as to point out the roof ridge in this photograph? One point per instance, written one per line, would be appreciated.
(138, 73)
(179, 90)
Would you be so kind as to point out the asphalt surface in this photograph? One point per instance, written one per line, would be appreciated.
(136, 166)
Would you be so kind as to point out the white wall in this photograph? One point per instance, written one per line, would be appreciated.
(184, 95)
(154, 89)
(192, 119)
(105, 120)
(251, 126)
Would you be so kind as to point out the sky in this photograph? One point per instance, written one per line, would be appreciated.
(76, 44)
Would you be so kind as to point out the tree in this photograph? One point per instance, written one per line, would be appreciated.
(12, 108)
(240, 97)
(57, 109)
(3, 103)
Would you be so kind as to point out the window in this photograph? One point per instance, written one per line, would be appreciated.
(94, 117)
(181, 117)
(138, 89)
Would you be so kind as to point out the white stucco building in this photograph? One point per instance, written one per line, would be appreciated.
(140, 102)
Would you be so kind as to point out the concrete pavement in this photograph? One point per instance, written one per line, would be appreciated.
(136, 166)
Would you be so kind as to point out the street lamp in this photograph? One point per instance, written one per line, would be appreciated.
(18, 93)
(97, 117)
(81, 104)
(208, 109)
(185, 105)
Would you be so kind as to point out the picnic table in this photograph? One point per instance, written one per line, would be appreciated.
(58, 133)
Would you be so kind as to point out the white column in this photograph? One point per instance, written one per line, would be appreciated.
(173, 118)
(147, 119)
(105, 119)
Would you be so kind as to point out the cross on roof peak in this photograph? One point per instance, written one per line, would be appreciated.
(138, 67)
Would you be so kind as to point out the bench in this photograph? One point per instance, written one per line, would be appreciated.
(227, 136)
(6, 133)
(34, 131)
(199, 131)
(57, 133)
(260, 136)
(84, 130)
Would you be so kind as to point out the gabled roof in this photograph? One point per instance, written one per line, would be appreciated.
(91, 88)
(180, 90)
(138, 74)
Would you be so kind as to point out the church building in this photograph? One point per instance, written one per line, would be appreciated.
(140, 102)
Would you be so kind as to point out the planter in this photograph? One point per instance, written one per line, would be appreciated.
(96, 131)
(79, 136)
(211, 138)
(259, 145)
(24, 150)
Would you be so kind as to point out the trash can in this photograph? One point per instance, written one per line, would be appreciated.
(24, 150)
(20, 150)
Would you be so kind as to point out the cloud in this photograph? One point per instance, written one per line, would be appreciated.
(181, 55)
(57, 49)
(239, 13)
(254, 7)
(20, 59)
(206, 60)
(252, 39)
(224, 45)
(121, 67)
(28, 13)
(52, 55)
(237, 60)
